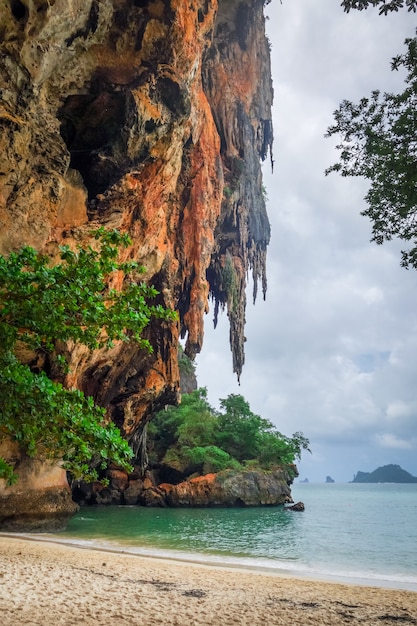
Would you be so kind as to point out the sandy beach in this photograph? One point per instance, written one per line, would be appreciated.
(44, 584)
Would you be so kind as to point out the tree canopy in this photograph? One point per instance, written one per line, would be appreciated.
(41, 302)
(385, 6)
(379, 142)
(194, 437)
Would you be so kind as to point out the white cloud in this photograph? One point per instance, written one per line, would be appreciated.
(398, 409)
(390, 440)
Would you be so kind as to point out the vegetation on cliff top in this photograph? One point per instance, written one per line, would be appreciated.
(42, 303)
(195, 438)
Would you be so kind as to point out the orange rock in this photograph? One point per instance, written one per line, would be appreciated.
(167, 487)
(207, 478)
(118, 478)
(148, 484)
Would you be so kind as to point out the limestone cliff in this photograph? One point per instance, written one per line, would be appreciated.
(149, 116)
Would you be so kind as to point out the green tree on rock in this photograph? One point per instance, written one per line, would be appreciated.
(248, 437)
(182, 436)
(195, 438)
(41, 302)
(239, 429)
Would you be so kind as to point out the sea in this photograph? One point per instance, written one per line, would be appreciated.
(353, 533)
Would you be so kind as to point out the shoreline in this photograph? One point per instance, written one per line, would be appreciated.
(216, 562)
(211, 561)
(52, 582)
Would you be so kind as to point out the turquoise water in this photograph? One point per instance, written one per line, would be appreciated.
(353, 532)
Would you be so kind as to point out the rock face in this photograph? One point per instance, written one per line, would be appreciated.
(298, 506)
(40, 501)
(229, 488)
(149, 116)
(188, 378)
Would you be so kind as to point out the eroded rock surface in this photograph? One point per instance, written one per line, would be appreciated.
(40, 501)
(229, 488)
(232, 488)
(149, 116)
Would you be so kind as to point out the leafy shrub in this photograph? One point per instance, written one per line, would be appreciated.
(71, 300)
(210, 459)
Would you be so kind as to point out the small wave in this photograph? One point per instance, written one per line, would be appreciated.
(266, 565)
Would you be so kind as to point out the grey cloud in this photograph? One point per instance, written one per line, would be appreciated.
(333, 350)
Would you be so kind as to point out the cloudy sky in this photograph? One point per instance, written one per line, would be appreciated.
(333, 350)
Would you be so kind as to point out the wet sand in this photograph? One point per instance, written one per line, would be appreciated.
(50, 584)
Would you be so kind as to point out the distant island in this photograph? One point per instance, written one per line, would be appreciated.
(329, 479)
(385, 474)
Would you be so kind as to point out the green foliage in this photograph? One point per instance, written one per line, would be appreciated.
(199, 459)
(247, 436)
(71, 300)
(379, 142)
(40, 303)
(188, 425)
(193, 437)
(210, 459)
(52, 422)
(239, 428)
(384, 6)
(285, 448)
(6, 472)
